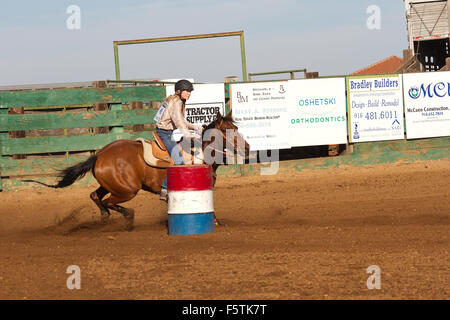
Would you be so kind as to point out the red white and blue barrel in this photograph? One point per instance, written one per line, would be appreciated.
(190, 200)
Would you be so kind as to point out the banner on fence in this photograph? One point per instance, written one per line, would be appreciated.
(317, 112)
(375, 108)
(206, 101)
(261, 113)
(427, 104)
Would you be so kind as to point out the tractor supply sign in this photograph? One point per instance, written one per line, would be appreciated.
(206, 101)
(427, 104)
(375, 105)
(260, 111)
(317, 112)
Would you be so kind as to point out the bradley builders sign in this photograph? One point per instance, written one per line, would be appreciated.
(375, 105)
(427, 104)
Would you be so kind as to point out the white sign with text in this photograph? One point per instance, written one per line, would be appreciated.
(205, 102)
(427, 104)
(317, 112)
(375, 106)
(261, 112)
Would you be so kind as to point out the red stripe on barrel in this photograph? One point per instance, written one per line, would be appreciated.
(189, 178)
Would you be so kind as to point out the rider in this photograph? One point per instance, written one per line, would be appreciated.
(173, 118)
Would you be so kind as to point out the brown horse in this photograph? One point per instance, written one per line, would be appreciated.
(121, 171)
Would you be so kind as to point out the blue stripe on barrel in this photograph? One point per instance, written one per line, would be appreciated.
(190, 200)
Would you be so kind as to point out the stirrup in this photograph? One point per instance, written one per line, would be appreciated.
(163, 195)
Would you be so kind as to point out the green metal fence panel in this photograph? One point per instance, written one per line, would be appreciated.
(41, 166)
(116, 129)
(77, 96)
(16, 183)
(401, 145)
(87, 142)
(45, 167)
(45, 121)
(3, 136)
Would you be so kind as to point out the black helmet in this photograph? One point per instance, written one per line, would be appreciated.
(184, 85)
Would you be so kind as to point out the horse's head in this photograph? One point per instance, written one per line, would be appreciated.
(224, 129)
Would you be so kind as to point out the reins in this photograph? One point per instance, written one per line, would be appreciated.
(215, 149)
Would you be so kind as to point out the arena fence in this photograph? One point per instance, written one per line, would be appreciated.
(356, 155)
(61, 127)
(43, 131)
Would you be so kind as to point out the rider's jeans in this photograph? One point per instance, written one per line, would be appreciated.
(172, 147)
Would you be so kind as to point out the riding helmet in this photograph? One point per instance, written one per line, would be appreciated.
(184, 85)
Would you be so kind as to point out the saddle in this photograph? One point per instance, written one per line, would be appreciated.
(157, 155)
(155, 152)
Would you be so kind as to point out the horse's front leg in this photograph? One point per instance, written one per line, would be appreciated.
(97, 197)
(128, 213)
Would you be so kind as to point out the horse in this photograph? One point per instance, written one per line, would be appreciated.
(121, 171)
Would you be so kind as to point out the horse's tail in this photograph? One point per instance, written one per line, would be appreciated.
(71, 174)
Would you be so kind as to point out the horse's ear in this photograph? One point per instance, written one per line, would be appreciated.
(219, 116)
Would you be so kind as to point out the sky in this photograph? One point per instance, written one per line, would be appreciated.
(328, 36)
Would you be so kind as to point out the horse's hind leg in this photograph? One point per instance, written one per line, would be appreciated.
(128, 213)
(97, 197)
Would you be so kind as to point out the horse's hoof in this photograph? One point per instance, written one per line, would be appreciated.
(104, 219)
(129, 226)
(130, 221)
(220, 223)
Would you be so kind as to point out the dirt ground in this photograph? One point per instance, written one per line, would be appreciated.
(309, 235)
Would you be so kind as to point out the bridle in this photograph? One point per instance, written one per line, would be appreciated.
(226, 143)
(209, 146)
(214, 149)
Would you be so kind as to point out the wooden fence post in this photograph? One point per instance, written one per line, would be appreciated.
(100, 106)
(3, 135)
(155, 105)
(17, 134)
(312, 75)
(136, 105)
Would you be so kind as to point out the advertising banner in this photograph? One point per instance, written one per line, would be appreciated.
(375, 108)
(261, 114)
(317, 112)
(427, 104)
(205, 102)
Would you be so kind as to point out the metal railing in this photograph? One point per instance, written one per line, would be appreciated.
(291, 72)
(179, 38)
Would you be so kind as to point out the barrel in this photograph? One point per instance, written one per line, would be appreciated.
(190, 199)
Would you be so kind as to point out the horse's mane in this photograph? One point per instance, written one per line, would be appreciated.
(213, 123)
(228, 119)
